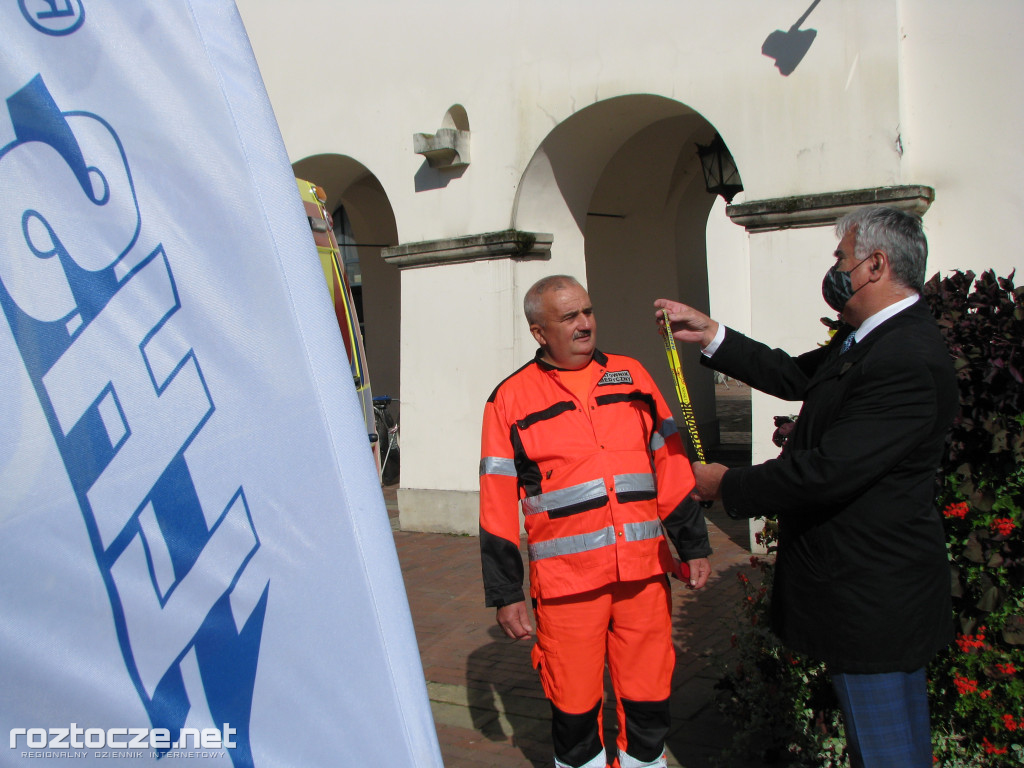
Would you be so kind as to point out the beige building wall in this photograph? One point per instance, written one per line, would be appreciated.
(579, 121)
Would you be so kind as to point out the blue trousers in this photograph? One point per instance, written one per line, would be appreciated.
(886, 719)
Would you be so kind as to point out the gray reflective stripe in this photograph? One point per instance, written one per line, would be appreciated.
(573, 545)
(492, 465)
(649, 529)
(631, 483)
(564, 497)
(668, 428)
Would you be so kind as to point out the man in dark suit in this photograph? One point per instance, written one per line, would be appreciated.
(862, 578)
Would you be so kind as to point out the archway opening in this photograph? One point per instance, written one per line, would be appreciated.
(364, 223)
(619, 185)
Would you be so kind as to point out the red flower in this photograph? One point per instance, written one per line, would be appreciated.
(742, 577)
(959, 511)
(1007, 669)
(992, 749)
(1009, 722)
(986, 693)
(968, 643)
(965, 685)
(1003, 526)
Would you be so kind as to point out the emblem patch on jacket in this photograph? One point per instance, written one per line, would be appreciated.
(615, 377)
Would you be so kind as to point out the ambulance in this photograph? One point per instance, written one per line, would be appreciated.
(314, 199)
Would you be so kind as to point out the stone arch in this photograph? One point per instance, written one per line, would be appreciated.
(349, 184)
(619, 186)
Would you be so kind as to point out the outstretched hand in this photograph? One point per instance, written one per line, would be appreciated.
(688, 324)
(708, 478)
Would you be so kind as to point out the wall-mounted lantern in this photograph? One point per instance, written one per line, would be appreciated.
(720, 174)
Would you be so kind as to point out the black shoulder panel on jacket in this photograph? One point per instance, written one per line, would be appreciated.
(502, 382)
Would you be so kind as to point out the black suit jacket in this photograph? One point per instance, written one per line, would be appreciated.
(862, 579)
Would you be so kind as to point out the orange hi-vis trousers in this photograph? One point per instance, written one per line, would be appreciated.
(629, 625)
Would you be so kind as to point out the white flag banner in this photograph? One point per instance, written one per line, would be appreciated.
(197, 558)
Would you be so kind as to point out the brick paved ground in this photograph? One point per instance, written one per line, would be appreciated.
(488, 706)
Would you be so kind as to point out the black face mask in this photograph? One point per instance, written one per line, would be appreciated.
(837, 288)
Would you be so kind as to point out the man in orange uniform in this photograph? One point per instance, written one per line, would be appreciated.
(586, 443)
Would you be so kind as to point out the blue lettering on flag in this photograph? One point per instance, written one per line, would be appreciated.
(125, 396)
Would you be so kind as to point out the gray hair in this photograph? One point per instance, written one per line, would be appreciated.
(532, 303)
(898, 233)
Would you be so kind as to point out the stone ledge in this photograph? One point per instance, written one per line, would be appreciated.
(427, 510)
(824, 209)
(507, 244)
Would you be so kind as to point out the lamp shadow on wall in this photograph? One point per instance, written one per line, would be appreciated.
(789, 48)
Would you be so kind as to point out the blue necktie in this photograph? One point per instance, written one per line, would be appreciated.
(848, 343)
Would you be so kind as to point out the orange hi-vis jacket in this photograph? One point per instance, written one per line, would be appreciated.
(597, 481)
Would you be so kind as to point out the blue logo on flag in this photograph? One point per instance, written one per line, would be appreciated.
(53, 17)
(125, 397)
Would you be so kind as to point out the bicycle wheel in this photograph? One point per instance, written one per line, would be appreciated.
(389, 459)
